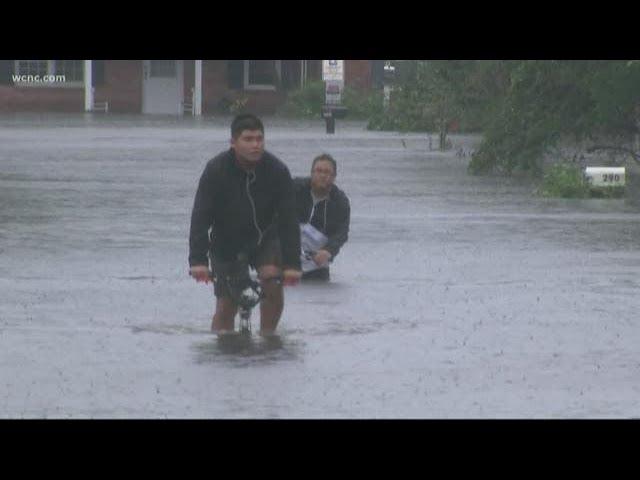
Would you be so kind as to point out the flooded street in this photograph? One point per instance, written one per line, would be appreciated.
(455, 296)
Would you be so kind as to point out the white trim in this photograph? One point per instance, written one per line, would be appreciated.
(197, 94)
(246, 84)
(88, 88)
(180, 75)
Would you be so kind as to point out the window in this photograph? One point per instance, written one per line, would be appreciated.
(32, 67)
(73, 70)
(50, 73)
(262, 74)
(163, 68)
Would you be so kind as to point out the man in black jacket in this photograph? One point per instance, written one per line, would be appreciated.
(324, 214)
(244, 210)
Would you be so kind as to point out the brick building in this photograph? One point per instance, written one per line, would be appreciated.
(173, 87)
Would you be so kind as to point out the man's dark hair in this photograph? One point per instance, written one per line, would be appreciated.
(325, 156)
(246, 121)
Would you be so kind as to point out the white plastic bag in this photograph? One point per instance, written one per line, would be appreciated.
(311, 240)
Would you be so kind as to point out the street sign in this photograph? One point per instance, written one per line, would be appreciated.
(333, 92)
(333, 70)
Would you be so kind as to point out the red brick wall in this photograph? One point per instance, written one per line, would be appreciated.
(357, 74)
(314, 70)
(41, 99)
(122, 86)
(214, 84)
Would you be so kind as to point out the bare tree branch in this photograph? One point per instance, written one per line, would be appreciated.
(628, 151)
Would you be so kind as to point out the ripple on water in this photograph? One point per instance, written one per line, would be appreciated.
(238, 350)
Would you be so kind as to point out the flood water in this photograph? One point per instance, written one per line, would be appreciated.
(455, 296)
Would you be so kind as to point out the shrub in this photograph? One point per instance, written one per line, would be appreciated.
(362, 104)
(308, 101)
(304, 103)
(566, 181)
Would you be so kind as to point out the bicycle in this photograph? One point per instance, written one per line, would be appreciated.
(245, 291)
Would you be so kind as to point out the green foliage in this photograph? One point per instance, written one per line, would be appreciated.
(615, 89)
(362, 104)
(565, 181)
(529, 118)
(238, 105)
(547, 101)
(609, 192)
(420, 101)
(304, 103)
(308, 101)
(443, 95)
(402, 115)
(235, 106)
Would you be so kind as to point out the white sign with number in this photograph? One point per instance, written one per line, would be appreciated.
(333, 70)
(605, 176)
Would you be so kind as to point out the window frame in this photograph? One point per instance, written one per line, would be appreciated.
(51, 71)
(257, 86)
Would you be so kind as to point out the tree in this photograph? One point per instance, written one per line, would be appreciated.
(522, 107)
(548, 101)
(433, 95)
(427, 96)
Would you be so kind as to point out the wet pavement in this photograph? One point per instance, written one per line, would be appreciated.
(455, 297)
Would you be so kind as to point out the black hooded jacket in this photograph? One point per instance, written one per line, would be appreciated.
(239, 207)
(331, 216)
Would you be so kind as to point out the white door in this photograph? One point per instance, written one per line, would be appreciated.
(162, 87)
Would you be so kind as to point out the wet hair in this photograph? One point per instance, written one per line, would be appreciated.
(327, 157)
(246, 121)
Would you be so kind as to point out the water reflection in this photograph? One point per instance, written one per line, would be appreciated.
(243, 350)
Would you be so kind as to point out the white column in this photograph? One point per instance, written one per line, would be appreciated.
(88, 88)
(197, 100)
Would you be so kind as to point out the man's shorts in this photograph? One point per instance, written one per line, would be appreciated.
(269, 252)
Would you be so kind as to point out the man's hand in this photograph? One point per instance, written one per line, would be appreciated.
(322, 258)
(200, 273)
(291, 277)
